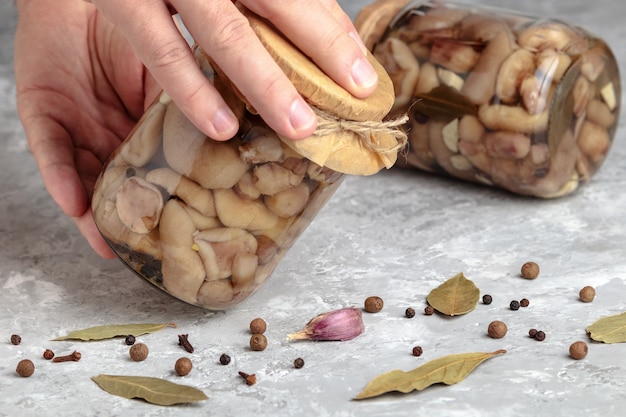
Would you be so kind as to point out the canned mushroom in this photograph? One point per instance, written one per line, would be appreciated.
(526, 104)
(208, 221)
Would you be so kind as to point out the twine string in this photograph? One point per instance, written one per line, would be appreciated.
(328, 124)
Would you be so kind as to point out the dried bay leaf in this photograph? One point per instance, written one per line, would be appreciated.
(115, 330)
(448, 370)
(443, 102)
(458, 295)
(611, 329)
(153, 390)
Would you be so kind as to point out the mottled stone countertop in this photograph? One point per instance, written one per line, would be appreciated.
(397, 234)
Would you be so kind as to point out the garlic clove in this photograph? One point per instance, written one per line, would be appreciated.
(343, 324)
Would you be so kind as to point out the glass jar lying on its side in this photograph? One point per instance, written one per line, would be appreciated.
(208, 221)
(529, 105)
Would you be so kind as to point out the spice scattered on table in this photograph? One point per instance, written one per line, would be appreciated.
(497, 329)
(139, 352)
(183, 366)
(417, 351)
(587, 294)
(258, 326)
(183, 340)
(16, 339)
(514, 305)
(530, 270)
(249, 378)
(429, 310)
(258, 342)
(524, 302)
(130, 340)
(409, 313)
(487, 299)
(48, 354)
(374, 304)
(72, 357)
(578, 350)
(224, 359)
(298, 363)
(540, 336)
(25, 368)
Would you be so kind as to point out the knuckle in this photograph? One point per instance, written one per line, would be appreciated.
(167, 55)
(233, 32)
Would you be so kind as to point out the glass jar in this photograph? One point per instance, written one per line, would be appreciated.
(208, 221)
(526, 104)
(203, 220)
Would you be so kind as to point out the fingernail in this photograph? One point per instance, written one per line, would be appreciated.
(363, 74)
(224, 121)
(301, 116)
(358, 41)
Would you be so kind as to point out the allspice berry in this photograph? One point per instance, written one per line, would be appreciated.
(587, 294)
(578, 350)
(530, 270)
(183, 366)
(373, 304)
(258, 342)
(497, 329)
(258, 326)
(138, 352)
(25, 368)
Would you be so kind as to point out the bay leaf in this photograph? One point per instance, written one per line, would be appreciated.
(611, 329)
(443, 102)
(458, 295)
(115, 330)
(448, 370)
(153, 390)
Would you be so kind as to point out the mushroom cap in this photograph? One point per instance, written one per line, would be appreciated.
(373, 20)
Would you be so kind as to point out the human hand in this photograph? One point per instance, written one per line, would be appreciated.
(319, 28)
(80, 90)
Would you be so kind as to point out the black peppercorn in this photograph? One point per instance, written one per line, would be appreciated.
(224, 359)
(410, 313)
(524, 302)
(429, 310)
(540, 336)
(487, 299)
(130, 340)
(417, 351)
(532, 333)
(298, 363)
(514, 305)
(16, 339)
(48, 354)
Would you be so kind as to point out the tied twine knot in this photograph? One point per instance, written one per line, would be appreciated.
(328, 124)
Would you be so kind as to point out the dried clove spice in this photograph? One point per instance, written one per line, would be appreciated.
(183, 340)
(72, 357)
(249, 378)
